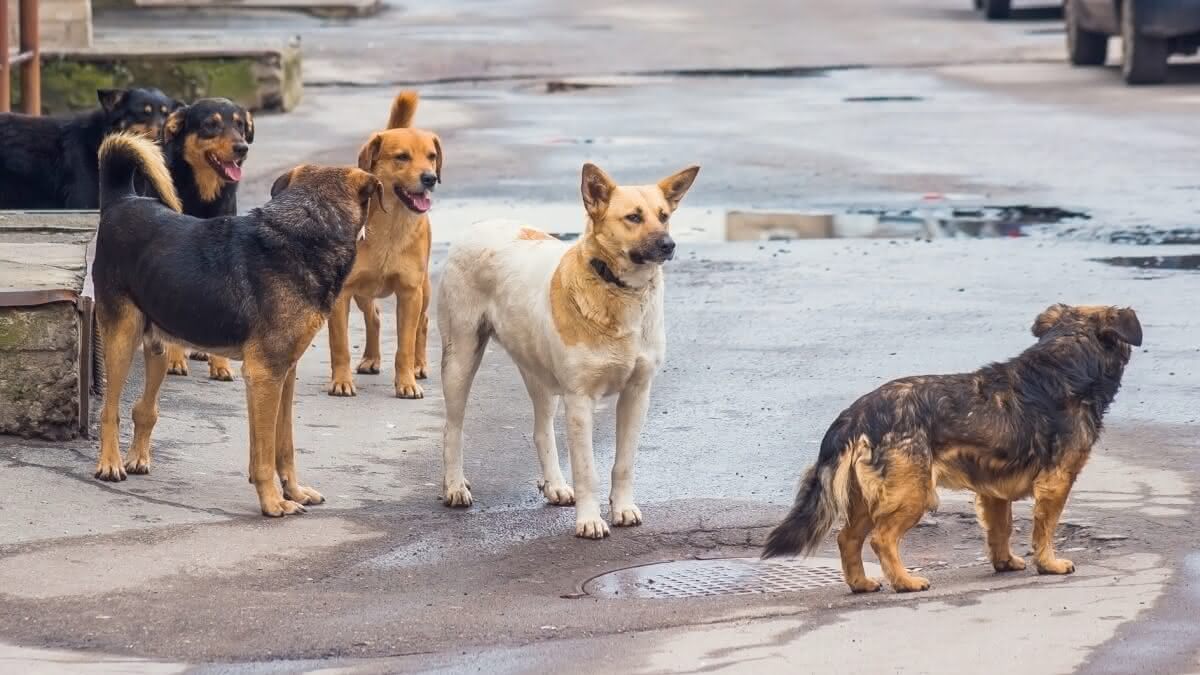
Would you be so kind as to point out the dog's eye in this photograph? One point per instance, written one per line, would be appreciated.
(403, 157)
(164, 109)
(433, 156)
(663, 216)
(635, 218)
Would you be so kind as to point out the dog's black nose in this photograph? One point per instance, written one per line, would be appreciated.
(428, 179)
(666, 246)
(240, 149)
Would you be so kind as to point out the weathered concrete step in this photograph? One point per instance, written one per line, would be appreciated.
(259, 78)
(327, 8)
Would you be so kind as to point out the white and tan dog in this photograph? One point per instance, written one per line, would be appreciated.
(581, 322)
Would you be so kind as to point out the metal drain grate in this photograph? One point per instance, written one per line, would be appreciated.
(720, 576)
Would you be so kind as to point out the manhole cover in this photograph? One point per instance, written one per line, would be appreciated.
(719, 576)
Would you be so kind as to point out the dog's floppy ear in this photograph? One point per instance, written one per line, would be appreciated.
(597, 189)
(249, 125)
(110, 98)
(174, 124)
(369, 153)
(437, 166)
(1123, 325)
(372, 188)
(1046, 320)
(282, 183)
(675, 187)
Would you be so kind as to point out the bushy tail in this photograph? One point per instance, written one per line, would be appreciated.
(122, 156)
(820, 501)
(403, 110)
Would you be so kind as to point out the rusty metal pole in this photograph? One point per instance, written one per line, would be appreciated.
(31, 69)
(5, 74)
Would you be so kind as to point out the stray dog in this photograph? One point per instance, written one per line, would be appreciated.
(581, 322)
(50, 162)
(1007, 431)
(259, 294)
(205, 145)
(394, 259)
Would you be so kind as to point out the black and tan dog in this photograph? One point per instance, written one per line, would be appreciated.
(50, 162)
(1008, 431)
(205, 144)
(261, 289)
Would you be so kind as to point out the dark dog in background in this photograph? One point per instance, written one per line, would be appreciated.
(259, 293)
(205, 144)
(50, 162)
(1008, 431)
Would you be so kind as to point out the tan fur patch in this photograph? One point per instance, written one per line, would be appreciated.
(150, 158)
(532, 234)
(195, 153)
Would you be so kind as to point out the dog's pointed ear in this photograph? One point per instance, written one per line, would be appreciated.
(176, 104)
(437, 166)
(1123, 325)
(174, 124)
(597, 189)
(1046, 320)
(369, 153)
(249, 125)
(110, 98)
(282, 183)
(676, 186)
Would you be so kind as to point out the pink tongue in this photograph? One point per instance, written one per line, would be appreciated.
(421, 201)
(232, 171)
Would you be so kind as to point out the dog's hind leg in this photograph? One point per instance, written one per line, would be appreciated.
(897, 501)
(145, 411)
(177, 360)
(850, 544)
(580, 413)
(631, 415)
(421, 367)
(120, 328)
(995, 517)
(462, 351)
(372, 354)
(285, 448)
(545, 403)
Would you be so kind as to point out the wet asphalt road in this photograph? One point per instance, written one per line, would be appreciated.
(766, 343)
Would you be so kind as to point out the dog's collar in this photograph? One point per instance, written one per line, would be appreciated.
(605, 272)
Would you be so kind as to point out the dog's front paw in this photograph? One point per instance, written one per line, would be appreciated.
(369, 366)
(559, 494)
(1013, 564)
(1056, 566)
(457, 494)
(626, 515)
(342, 387)
(302, 495)
(864, 585)
(421, 372)
(409, 390)
(110, 471)
(276, 508)
(137, 465)
(219, 371)
(177, 367)
(910, 584)
(198, 356)
(591, 527)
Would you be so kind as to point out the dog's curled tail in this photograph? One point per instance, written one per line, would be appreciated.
(822, 498)
(403, 110)
(123, 156)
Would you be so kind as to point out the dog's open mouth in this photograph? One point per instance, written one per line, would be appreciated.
(415, 201)
(229, 170)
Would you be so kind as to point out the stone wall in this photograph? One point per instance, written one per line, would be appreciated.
(63, 24)
(39, 371)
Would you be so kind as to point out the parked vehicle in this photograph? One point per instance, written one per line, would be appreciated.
(1150, 31)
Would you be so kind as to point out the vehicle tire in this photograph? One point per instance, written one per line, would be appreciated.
(1084, 47)
(997, 9)
(1143, 58)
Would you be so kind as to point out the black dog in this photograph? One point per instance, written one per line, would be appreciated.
(205, 145)
(1007, 431)
(50, 162)
(261, 286)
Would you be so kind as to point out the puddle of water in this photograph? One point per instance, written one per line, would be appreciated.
(1155, 262)
(881, 99)
(931, 222)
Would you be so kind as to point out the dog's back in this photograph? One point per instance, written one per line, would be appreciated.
(31, 165)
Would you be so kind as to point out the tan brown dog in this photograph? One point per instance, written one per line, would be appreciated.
(393, 258)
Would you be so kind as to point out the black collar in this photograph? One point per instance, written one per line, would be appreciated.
(606, 273)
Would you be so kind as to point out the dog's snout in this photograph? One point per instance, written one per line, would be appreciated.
(240, 150)
(666, 246)
(428, 179)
